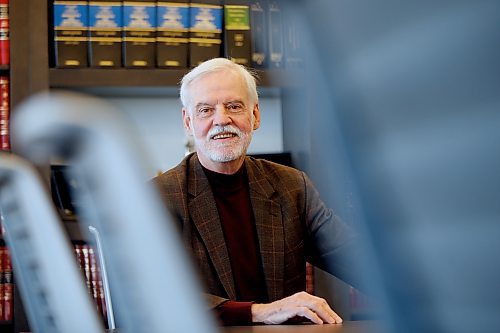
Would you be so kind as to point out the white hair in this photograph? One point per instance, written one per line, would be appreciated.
(219, 65)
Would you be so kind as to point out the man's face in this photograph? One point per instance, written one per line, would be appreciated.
(220, 118)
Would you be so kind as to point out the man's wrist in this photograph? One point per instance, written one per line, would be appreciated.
(258, 312)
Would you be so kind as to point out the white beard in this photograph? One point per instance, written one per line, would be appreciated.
(225, 152)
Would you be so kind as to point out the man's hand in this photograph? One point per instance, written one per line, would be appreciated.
(301, 304)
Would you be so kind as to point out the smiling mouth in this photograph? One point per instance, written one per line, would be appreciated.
(223, 136)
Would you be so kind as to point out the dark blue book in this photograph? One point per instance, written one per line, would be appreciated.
(275, 30)
(259, 33)
(293, 39)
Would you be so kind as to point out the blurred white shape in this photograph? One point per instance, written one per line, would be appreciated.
(154, 288)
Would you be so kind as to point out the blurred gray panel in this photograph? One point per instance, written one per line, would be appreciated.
(154, 288)
(410, 91)
(45, 267)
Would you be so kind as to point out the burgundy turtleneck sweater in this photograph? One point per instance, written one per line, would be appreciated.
(232, 197)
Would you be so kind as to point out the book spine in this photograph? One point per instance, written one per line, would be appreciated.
(4, 114)
(8, 288)
(237, 44)
(3, 248)
(4, 33)
(94, 280)
(97, 285)
(309, 278)
(205, 31)
(275, 34)
(71, 33)
(292, 40)
(258, 24)
(86, 267)
(172, 36)
(139, 33)
(105, 33)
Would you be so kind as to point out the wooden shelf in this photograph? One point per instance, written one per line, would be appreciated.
(123, 77)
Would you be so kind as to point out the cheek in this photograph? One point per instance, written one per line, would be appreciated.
(246, 125)
(200, 128)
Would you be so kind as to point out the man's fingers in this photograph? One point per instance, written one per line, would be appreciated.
(307, 313)
(323, 310)
(302, 304)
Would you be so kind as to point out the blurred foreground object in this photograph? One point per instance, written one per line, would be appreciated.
(46, 272)
(154, 288)
(412, 90)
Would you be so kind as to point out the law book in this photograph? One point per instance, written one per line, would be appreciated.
(309, 278)
(4, 114)
(105, 33)
(93, 279)
(4, 33)
(237, 39)
(2, 317)
(139, 33)
(205, 31)
(293, 40)
(86, 268)
(259, 33)
(71, 33)
(3, 248)
(172, 33)
(96, 282)
(89, 266)
(8, 286)
(275, 33)
(82, 254)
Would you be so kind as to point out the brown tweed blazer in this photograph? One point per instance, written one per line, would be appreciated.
(293, 225)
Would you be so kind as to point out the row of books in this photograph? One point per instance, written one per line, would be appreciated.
(4, 114)
(4, 33)
(6, 285)
(173, 33)
(89, 266)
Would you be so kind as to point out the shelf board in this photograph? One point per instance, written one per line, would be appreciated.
(123, 77)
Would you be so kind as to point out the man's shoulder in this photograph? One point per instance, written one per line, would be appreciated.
(173, 176)
(275, 172)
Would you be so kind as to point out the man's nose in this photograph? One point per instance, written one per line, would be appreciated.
(221, 116)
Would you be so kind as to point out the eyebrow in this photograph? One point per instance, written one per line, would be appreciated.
(225, 103)
(234, 101)
(202, 104)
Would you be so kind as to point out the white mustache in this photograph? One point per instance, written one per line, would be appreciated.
(224, 129)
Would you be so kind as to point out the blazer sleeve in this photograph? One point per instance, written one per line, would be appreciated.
(330, 243)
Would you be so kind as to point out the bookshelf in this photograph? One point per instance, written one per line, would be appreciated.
(30, 72)
(124, 77)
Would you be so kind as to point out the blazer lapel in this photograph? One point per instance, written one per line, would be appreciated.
(269, 225)
(206, 219)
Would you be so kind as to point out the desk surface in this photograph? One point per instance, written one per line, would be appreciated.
(346, 327)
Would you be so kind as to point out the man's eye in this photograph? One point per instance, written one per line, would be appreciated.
(204, 111)
(235, 107)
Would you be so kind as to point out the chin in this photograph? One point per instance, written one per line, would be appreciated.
(223, 158)
(226, 156)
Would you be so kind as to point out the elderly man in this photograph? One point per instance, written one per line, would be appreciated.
(250, 224)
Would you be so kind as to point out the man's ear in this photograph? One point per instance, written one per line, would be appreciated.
(256, 115)
(186, 120)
